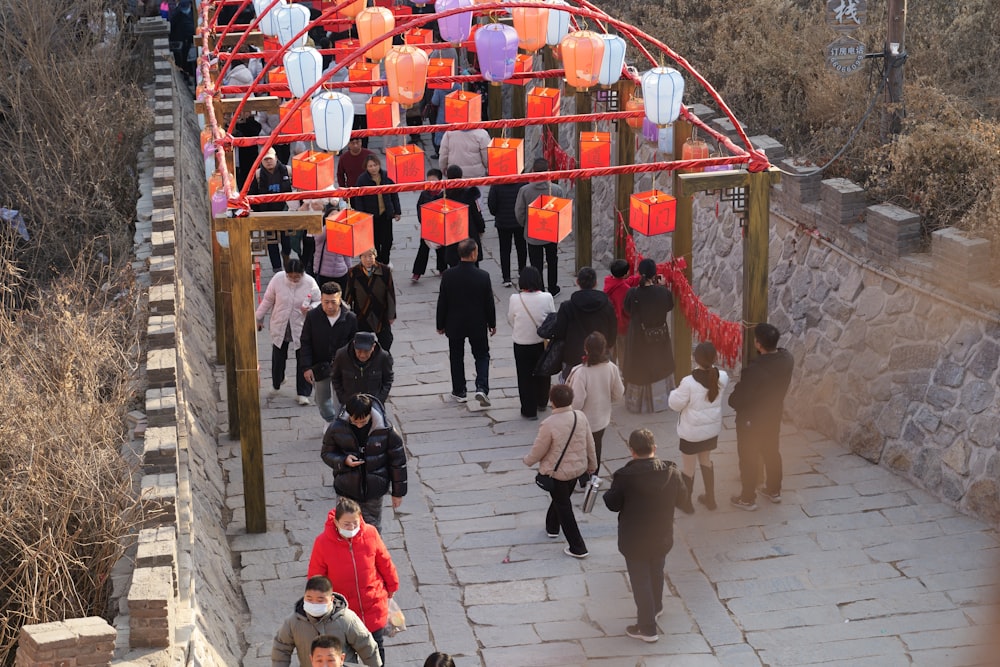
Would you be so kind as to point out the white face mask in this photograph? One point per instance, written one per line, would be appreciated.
(316, 609)
(348, 534)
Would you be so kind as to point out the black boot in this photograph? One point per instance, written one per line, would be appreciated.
(687, 507)
(708, 478)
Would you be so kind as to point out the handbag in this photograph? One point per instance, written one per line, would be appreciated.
(547, 482)
(547, 329)
(551, 360)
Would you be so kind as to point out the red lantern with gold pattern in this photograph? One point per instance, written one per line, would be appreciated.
(505, 157)
(382, 112)
(444, 221)
(301, 121)
(440, 67)
(595, 150)
(405, 164)
(417, 36)
(522, 63)
(362, 71)
(550, 219)
(312, 170)
(343, 48)
(653, 212)
(350, 232)
(462, 106)
(543, 102)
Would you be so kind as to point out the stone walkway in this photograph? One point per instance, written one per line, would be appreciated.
(856, 566)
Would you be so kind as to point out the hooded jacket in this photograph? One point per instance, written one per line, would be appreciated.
(353, 376)
(644, 493)
(587, 311)
(616, 288)
(359, 568)
(700, 419)
(529, 193)
(553, 435)
(299, 630)
(759, 396)
(384, 458)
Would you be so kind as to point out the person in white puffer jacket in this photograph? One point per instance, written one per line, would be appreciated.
(699, 400)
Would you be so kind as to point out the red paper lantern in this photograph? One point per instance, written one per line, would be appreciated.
(382, 112)
(462, 106)
(418, 36)
(312, 170)
(278, 76)
(550, 219)
(543, 102)
(401, 12)
(362, 71)
(343, 48)
(440, 67)
(505, 156)
(350, 232)
(595, 149)
(444, 221)
(653, 212)
(522, 63)
(694, 149)
(301, 121)
(635, 104)
(470, 44)
(405, 164)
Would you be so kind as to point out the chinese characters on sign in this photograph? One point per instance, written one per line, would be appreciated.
(846, 54)
(846, 15)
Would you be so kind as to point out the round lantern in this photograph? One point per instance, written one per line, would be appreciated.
(496, 45)
(455, 28)
(374, 22)
(289, 21)
(353, 9)
(662, 90)
(582, 52)
(558, 25)
(267, 25)
(634, 104)
(406, 74)
(532, 26)
(303, 68)
(333, 118)
(613, 60)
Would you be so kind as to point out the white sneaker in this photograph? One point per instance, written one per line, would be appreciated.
(484, 400)
(273, 393)
(303, 400)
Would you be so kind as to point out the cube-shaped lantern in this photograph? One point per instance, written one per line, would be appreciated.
(444, 221)
(301, 121)
(278, 76)
(405, 164)
(522, 63)
(362, 71)
(550, 219)
(440, 67)
(401, 12)
(543, 102)
(271, 43)
(418, 36)
(382, 112)
(505, 156)
(349, 232)
(312, 170)
(595, 150)
(343, 48)
(653, 212)
(462, 106)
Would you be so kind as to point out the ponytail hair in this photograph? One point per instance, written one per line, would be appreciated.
(708, 375)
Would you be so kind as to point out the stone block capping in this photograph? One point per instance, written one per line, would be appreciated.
(892, 231)
(956, 254)
(150, 599)
(77, 642)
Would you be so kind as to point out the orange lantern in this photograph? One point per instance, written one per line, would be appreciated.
(543, 102)
(582, 52)
(301, 121)
(401, 12)
(505, 157)
(440, 67)
(635, 104)
(694, 149)
(522, 63)
(353, 9)
(382, 112)
(372, 23)
(462, 106)
(532, 26)
(652, 212)
(405, 164)
(349, 232)
(343, 48)
(406, 74)
(214, 183)
(550, 219)
(595, 149)
(444, 221)
(418, 36)
(312, 170)
(362, 71)
(277, 75)
(470, 44)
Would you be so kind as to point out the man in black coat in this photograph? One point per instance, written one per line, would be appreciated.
(466, 309)
(272, 177)
(477, 225)
(759, 400)
(501, 202)
(362, 367)
(588, 310)
(644, 493)
(325, 331)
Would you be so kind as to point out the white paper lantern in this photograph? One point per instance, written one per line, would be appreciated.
(558, 23)
(613, 60)
(290, 20)
(267, 24)
(333, 118)
(662, 90)
(303, 67)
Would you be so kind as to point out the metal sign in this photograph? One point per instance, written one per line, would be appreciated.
(846, 15)
(845, 55)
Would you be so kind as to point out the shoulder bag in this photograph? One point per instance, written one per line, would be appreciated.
(547, 482)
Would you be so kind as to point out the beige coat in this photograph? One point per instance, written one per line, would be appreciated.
(552, 435)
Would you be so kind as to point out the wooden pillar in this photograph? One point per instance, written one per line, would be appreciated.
(519, 108)
(220, 325)
(755, 260)
(624, 183)
(682, 247)
(894, 58)
(232, 393)
(494, 100)
(584, 189)
(247, 377)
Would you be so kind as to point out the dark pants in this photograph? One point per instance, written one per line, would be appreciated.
(506, 236)
(533, 391)
(560, 515)
(277, 261)
(549, 251)
(646, 577)
(480, 345)
(383, 237)
(598, 441)
(753, 444)
(423, 254)
(308, 253)
(371, 512)
(279, 357)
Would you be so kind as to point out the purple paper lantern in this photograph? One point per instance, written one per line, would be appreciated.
(650, 132)
(455, 28)
(496, 45)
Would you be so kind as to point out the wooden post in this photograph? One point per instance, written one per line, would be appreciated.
(519, 108)
(683, 242)
(584, 190)
(220, 324)
(625, 183)
(232, 392)
(756, 240)
(895, 56)
(494, 100)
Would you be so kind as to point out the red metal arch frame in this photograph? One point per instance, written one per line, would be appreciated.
(751, 157)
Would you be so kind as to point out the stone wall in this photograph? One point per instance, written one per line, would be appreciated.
(77, 642)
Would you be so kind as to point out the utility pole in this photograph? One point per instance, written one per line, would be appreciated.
(895, 56)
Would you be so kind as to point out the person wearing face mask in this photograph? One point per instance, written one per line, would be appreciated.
(351, 554)
(372, 295)
(322, 612)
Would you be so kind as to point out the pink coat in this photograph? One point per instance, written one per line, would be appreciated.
(284, 301)
(552, 436)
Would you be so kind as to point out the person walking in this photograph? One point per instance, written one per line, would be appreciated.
(466, 310)
(649, 356)
(424, 251)
(477, 225)
(759, 400)
(644, 493)
(563, 450)
(596, 384)
(587, 310)
(526, 311)
(502, 202)
(288, 297)
(326, 330)
(539, 252)
(616, 286)
(698, 399)
(467, 149)
(351, 163)
(372, 295)
(362, 367)
(384, 209)
(328, 265)
(273, 177)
